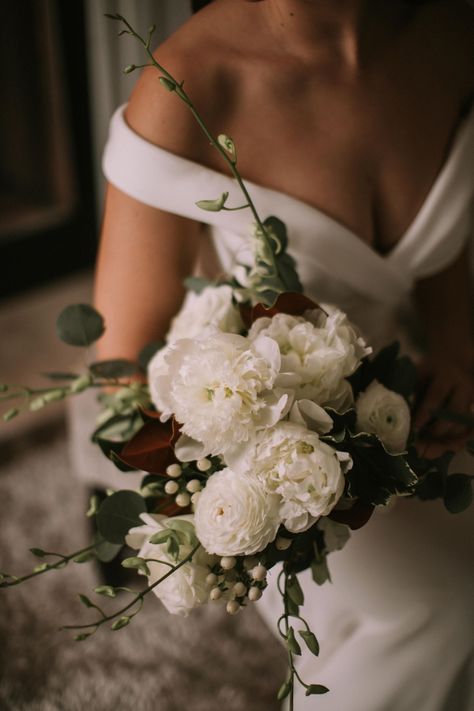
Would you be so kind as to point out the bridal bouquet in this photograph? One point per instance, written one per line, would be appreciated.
(266, 430)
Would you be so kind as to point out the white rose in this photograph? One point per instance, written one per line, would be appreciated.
(203, 313)
(219, 389)
(291, 461)
(186, 588)
(235, 516)
(384, 413)
(318, 351)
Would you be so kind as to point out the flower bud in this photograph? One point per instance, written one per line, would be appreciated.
(171, 487)
(259, 572)
(195, 497)
(174, 471)
(228, 562)
(232, 607)
(254, 594)
(203, 465)
(183, 500)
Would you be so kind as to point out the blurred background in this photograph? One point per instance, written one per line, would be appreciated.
(61, 79)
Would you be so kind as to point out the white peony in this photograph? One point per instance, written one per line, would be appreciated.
(318, 351)
(291, 461)
(186, 588)
(220, 390)
(235, 515)
(384, 413)
(201, 314)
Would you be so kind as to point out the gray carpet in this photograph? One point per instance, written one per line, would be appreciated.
(207, 662)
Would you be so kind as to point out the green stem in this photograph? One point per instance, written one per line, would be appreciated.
(53, 566)
(137, 599)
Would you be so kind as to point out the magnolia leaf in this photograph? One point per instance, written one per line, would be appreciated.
(316, 689)
(213, 205)
(80, 325)
(118, 514)
(291, 642)
(310, 641)
(117, 368)
(458, 495)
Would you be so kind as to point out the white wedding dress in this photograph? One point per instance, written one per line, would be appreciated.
(396, 625)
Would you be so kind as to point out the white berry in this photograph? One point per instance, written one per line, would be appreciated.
(171, 487)
(215, 594)
(174, 471)
(211, 579)
(228, 562)
(183, 500)
(259, 572)
(193, 486)
(239, 589)
(195, 497)
(204, 465)
(232, 607)
(282, 544)
(254, 594)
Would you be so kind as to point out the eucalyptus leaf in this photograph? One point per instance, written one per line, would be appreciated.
(80, 325)
(118, 514)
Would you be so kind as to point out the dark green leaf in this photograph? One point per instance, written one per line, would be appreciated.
(284, 690)
(60, 376)
(81, 637)
(118, 368)
(458, 496)
(85, 600)
(147, 353)
(293, 608)
(291, 642)
(316, 689)
(121, 622)
(38, 552)
(277, 229)
(104, 550)
(310, 641)
(80, 325)
(402, 378)
(118, 514)
(161, 537)
(320, 571)
(294, 590)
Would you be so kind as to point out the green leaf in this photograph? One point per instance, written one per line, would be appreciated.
(213, 205)
(316, 689)
(168, 84)
(106, 590)
(294, 590)
(277, 230)
(105, 551)
(160, 537)
(310, 641)
(172, 547)
(81, 637)
(185, 529)
(291, 642)
(85, 600)
(80, 325)
(228, 145)
(320, 571)
(117, 368)
(284, 690)
(136, 563)
(197, 284)
(60, 376)
(84, 557)
(39, 568)
(38, 552)
(293, 608)
(118, 514)
(147, 353)
(121, 622)
(458, 495)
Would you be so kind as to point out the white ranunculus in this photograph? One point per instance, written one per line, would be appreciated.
(385, 413)
(291, 461)
(220, 389)
(201, 314)
(318, 351)
(235, 515)
(186, 588)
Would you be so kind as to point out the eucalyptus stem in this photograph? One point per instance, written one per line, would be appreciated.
(61, 563)
(177, 87)
(290, 653)
(137, 599)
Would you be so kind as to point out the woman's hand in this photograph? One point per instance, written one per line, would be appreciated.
(446, 386)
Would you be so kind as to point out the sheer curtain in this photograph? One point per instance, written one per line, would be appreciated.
(108, 54)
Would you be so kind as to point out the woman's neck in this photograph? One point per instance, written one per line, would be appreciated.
(345, 31)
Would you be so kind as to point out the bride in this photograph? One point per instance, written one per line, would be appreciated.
(352, 122)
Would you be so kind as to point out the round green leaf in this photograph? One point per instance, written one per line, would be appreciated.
(80, 325)
(118, 514)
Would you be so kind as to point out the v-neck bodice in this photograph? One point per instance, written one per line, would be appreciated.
(334, 263)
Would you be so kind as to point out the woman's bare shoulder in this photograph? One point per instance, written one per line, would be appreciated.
(205, 57)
